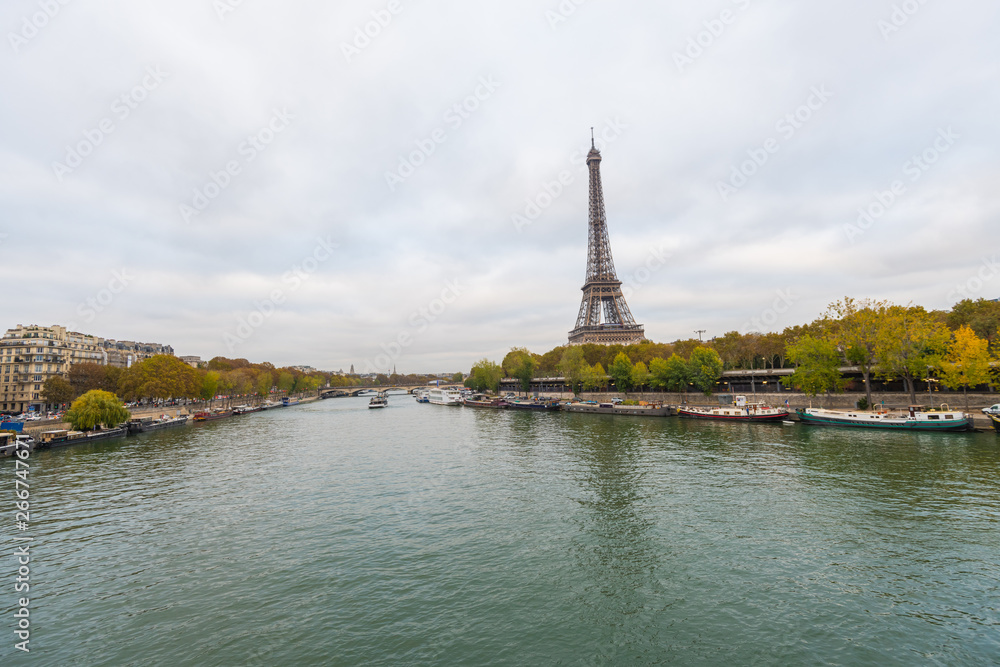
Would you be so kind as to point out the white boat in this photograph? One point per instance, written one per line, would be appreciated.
(421, 395)
(439, 396)
(379, 401)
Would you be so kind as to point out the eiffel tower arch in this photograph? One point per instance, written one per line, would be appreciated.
(604, 316)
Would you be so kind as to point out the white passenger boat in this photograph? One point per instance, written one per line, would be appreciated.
(379, 401)
(439, 396)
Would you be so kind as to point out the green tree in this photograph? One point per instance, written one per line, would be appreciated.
(672, 374)
(264, 383)
(286, 381)
(982, 316)
(485, 376)
(706, 369)
(457, 377)
(514, 360)
(910, 342)
(855, 329)
(57, 390)
(967, 363)
(209, 386)
(640, 375)
(595, 378)
(573, 367)
(162, 376)
(817, 366)
(95, 408)
(621, 372)
(525, 372)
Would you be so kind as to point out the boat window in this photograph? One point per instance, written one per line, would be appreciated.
(933, 417)
(949, 416)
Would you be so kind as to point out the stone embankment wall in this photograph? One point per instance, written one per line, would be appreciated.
(795, 400)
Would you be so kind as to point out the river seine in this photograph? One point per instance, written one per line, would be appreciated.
(330, 534)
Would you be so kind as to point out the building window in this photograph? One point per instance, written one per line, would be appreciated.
(37, 387)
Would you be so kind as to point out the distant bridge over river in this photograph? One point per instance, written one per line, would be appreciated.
(338, 392)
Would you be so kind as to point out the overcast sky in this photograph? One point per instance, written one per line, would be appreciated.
(263, 179)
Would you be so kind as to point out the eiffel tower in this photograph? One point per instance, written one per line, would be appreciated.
(602, 292)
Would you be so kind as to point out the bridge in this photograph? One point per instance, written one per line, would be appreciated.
(338, 392)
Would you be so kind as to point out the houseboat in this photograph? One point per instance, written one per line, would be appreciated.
(147, 424)
(913, 419)
(648, 410)
(741, 410)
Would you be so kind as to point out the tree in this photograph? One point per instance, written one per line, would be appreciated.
(162, 376)
(86, 376)
(982, 316)
(855, 331)
(57, 390)
(620, 371)
(485, 376)
(264, 383)
(817, 366)
(685, 347)
(457, 377)
(640, 375)
(209, 386)
(95, 408)
(967, 363)
(672, 374)
(595, 378)
(573, 367)
(910, 342)
(285, 380)
(525, 372)
(706, 369)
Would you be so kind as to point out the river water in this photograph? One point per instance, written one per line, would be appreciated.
(329, 534)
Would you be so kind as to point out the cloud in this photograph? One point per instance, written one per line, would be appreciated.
(353, 120)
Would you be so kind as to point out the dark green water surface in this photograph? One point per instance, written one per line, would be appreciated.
(328, 534)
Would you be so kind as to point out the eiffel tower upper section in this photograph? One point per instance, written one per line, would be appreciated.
(604, 316)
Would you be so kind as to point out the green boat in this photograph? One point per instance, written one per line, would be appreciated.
(914, 419)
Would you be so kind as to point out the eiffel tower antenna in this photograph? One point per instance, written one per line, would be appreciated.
(604, 316)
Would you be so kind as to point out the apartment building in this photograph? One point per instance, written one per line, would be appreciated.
(30, 355)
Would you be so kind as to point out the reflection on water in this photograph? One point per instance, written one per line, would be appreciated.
(331, 534)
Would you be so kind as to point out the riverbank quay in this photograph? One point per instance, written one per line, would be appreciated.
(795, 400)
(36, 428)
